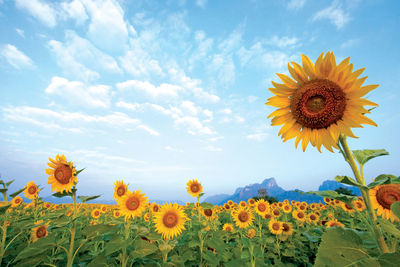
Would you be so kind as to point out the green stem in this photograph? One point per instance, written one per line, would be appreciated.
(3, 240)
(125, 257)
(70, 254)
(365, 194)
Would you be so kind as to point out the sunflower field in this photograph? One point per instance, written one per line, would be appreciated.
(319, 105)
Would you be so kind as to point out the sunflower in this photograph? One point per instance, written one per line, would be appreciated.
(242, 204)
(275, 227)
(347, 207)
(327, 200)
(251, 233)
(120, 189)
(96, 213)
(132, 204)
(230, 202)
(227, 206)
(146, 216)
(333, 223)
(323, 101)
(154, 207)
(39, 232)
(228, 227)
(116, 213)
(299, 215)
(62, 174)
(194, 188)
(16, 201)
(312, 218)
(208, 213)
(103, 208)
(251, 202)
(170, 220)
(31, 190)
(276, 213)
(243, 218)
(287, 208)
(359, 204)
(47, 205)
(261, 207)
(287, 228)
(382, 197)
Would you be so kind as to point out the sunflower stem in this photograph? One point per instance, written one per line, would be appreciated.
(365, 194)
(70, 254)
(124, 259)
(3, 240)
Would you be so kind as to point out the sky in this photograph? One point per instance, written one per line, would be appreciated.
(157, 93)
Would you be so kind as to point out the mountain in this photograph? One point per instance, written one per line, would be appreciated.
(272, 189)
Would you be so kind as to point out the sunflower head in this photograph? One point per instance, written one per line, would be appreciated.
(96, 213)
(275, 227)
(228, 227)
(320, 102)
(261, 207)
(382, 197)
(39, 232)
(194, 188)
(170, 220)
(16, 201)
(31, 190)
(132, 204)
(120, 188)
(243, 217)
(116, 213)
(287, 228)
(251, 233)
(62, 174)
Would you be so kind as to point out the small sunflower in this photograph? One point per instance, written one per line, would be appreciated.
(16, 201)
(39, 232)
(312, 218)
(251, 202)
(243, 218)
(287, 208)
(276, 213)
(382, 197)
(242, 204)
(62, 174)
(287, 228)
(275, 227)
(299, 215)
(120, 188)
(103, 208)
(230, 202)
(96, 213)
(208, 214)
(31, 190)
(194, 188)
(154, 207)
(116, 213)
(359, 204)
(228, 227)
(251, 233)
(146, 216)
(333, 223)
(323, 101)
(132, 204)
(261, 207)
(170, 220)
(347, 207)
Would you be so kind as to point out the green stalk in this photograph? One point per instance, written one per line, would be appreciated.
(3, 240)
(125, 257)
(70, 254)
(348, 155)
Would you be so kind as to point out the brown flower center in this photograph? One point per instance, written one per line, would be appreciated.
(17, 200)
(155, 208)
(286, 227)
(121, 190)
(387, 194)
(300, 215)
(170, 219)
(41, 231)
(276, 212)
(208, 212)
(276, 226)
(251, 201)
(32, 189)
(96, 213)
(63, 173)
(133, 203)
(313, 217)
(195, 188)
(243, 216)
(318, 104)
(261, 207)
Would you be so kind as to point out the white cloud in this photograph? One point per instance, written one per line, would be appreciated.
(349, 43)
(15, 57)
(190, 107)
(162, 90)
(95, 96)
(194, 125)
(148, 129)
(212, 148)
(169, 148)
(334, 13)
(201, 3)
(75, 10)
(283, 42)
(252, 98)
(20, 32)
(296, 4)
(204, 46)
(226, 111)
(257, 136)
(40, 10)
(139, 63)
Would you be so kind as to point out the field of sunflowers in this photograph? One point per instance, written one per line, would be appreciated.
(319, 106)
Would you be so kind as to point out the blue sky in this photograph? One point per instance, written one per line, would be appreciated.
(160, 92)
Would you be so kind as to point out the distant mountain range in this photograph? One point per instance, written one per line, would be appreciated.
(272, 189)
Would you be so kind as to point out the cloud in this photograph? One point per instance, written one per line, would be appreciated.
(169, 148)
(334, 13)
(283, 42)
(190, 107)
(148, 129)
(349, 43)
(201, 3)
(257, 136)
(78, 56)
(20, 32)
(139, 63)
(15, 57)
(212, 148)
(296, 4)
(194, 125)
(162, 90)
(75, 10)
(107, 28)
(40, 10)
(75, 92)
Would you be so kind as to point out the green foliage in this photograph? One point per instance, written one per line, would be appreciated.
(344, 191)
(87, 198)
(362, 156)
(270, 199)
(395, 207)
(384, 179)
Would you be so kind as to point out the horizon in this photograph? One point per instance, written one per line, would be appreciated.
(157, 94)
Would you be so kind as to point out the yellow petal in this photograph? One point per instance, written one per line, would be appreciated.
(279, 102)
(366, 120)
(306, 138)
(362, 91)
(354, 85)
(366, 102)
(308, 66)
(287, 81)
(318, 66)
(49, 171)
(292, 132)
(300, 72)
(279, 112)
(280, 92)
(286, 126)
(281, 119)
(292, 72)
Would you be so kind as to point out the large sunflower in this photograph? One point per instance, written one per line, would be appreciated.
(170, 220)
(31, 190)
(119, 189)
(323, 101)
(132, 204)
(243, 218)
(62, 174)
(382, 196)
(194, 188)
(261, 207)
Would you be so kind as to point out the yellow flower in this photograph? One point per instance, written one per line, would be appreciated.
(359, 204)
(228, 227)
(62, 174)
(323, 101)
(194, 188)
(39, 232)
(31, 190)
(96, 213)
(243, 218)
(382, 197)
(120, 189)
(16, 201)
(287, 228)
(312, 218)
(154, 207)
(251, 233)
(170, 220)
(116, 213)
(132, 204)
(261, 207)
(251, 202)
(333, 223)
(287, 208)
(275, 227)
(299, 215)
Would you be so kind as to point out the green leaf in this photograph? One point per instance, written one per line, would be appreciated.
(2, 182)
(142, 248)
(99, 260)
(63, 194)
(362, 156)
(115, 244)
(10, 182)
(384, 179)
(3, 190)
(395, 207)
(40, 246)
(78, 172)
(210, 257)
(348, 180)
(3, 209)
(389, 227)
(344, 248)
(330, 194)
(390, 259)
(87, 198)
(17, 193)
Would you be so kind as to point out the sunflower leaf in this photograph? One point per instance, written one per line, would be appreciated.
(3, 209)
(10, 182)
(330, 194)
(3, 190)
(384, 179)
(78, 172)
(17, 193)
(87, 198)
(389, 259)
(395, 207)
(349, 181)
(362, 156)
(63, 194)
(389, 227)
